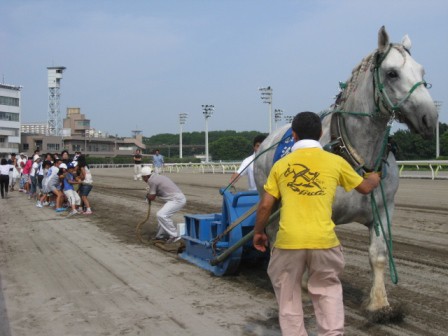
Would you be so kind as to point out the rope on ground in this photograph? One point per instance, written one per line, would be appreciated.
(140, 224)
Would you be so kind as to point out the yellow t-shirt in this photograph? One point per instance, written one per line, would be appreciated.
(305, 181)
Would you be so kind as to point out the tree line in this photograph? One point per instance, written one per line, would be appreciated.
(234, 146)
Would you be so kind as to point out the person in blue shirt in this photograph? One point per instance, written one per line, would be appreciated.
(157, 161)
(69, 190)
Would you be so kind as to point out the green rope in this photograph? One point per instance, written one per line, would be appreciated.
(378, 224)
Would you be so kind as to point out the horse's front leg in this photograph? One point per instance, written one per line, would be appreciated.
(378, 259)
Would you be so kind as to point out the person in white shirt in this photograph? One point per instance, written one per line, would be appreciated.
(4, 177)
(247, 166)
(33, 176)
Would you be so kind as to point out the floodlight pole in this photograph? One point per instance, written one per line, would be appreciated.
(266, 97)
(182, 119)
(278, 113)
(207, 111)
(438, 104)
(288, 118)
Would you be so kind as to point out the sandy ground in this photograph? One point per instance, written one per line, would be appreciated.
(89, 275)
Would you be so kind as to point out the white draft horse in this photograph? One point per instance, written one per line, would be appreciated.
(387, 85)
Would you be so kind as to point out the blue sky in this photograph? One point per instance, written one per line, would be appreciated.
(138, 64)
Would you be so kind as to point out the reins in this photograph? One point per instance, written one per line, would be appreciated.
(381, 99)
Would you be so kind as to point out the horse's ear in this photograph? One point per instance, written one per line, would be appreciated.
(406, 42)
(383, 39)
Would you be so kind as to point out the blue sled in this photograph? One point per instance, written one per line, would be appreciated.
(201, 231)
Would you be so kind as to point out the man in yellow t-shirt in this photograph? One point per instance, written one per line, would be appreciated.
(305, 182)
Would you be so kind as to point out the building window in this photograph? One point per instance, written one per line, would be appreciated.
(82, 123)
(9, 101)
(9, 116)
(26, 146)
(53, 147)
(76, 148)
(38, 144)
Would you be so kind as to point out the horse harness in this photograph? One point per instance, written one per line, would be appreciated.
(340, 143)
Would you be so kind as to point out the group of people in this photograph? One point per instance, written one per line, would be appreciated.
(53, 180)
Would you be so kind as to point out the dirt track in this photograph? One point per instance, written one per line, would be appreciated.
(89, 276)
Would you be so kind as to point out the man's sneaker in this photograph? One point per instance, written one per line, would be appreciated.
(39, 205)
(173, 240)
(159, 239)
(52, 204)
(87, 212)
(61, 209)
(45, 203)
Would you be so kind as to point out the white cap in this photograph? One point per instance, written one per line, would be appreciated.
(63, 165)
(146, 171)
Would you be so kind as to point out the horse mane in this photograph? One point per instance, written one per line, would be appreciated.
(366, 64)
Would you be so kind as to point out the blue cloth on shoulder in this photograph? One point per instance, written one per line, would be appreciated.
(284, 146)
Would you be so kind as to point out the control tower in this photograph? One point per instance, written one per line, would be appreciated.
(54, 113)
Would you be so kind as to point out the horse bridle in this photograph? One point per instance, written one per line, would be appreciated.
(340, 143)
(381, 97)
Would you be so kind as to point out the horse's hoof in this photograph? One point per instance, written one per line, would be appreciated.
(386, 315)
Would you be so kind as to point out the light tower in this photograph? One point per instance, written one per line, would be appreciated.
(278, 114)
(54, 113)
(288, 118)
(136, 133)
(207, 111)
(182, 119)
(266, 97)
(438, 104)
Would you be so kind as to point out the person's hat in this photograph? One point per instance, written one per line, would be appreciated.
(36, 157)
(22, 154)
(70, 165)
(63, 165)
(146, 171)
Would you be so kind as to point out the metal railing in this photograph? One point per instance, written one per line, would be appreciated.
(431, 169)
(434, 169)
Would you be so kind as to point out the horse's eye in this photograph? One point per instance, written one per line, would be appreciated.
(392, 74)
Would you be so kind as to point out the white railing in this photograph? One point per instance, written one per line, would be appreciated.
(433, 169)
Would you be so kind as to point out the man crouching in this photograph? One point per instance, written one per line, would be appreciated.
(162, 187)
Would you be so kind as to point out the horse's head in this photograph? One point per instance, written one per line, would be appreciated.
(400, 87)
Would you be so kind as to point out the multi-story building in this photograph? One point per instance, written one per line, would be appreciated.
(34, 128)
(10, 112)
(78, 135)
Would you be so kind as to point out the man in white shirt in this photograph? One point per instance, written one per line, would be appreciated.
(247, 166)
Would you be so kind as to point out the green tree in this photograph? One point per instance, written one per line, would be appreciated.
(230, 148)
(413, 146)
(444, 144)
